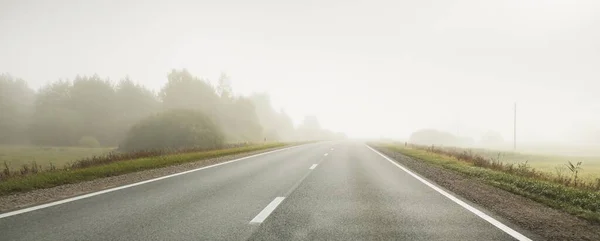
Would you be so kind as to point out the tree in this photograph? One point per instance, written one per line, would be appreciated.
(133, 103)
(89, 107)
(16, 108)
(184, 91)
(57, 127)
(54, 95)
(236, 115)
(238, 120)
(310, 129)
(54, 121)
(245, 121)
(224, 89)
(91, 110)
(285, 127)
(277, 126)
(93, 99)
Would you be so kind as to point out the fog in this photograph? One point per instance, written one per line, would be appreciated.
(370, 69)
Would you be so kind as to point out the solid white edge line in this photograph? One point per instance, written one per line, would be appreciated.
(29, 209)
(313, 166)
(475, 211)
(267, 210)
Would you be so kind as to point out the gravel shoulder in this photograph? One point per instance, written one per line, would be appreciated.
(537, 218)
(40, 196)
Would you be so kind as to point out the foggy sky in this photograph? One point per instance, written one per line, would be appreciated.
(367, 68)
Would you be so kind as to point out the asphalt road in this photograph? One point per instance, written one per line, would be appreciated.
(352, 193)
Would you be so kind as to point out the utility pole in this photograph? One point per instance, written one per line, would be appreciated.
(515, 129)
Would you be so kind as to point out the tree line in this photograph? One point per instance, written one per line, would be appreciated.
(91, 111)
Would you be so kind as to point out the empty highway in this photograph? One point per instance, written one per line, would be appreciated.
(319, 191)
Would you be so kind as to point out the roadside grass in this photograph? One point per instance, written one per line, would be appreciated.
(581, 200)
(45, 157)
(58, 177)
(555, 164)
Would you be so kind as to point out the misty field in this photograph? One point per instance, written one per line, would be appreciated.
(17, 156)
(554, 164)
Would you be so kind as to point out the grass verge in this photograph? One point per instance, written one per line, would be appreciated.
(579, 202)
(69, 176)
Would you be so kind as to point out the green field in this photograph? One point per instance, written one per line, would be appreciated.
(17, 156)
(547, 163)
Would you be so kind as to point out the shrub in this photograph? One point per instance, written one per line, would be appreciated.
(173, 129)
(88, 141)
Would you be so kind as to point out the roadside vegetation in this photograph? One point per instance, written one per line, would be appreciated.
(113, 164)
(564, 191)
(553, 164)
(545, 157)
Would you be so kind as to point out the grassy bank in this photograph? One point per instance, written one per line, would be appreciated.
(580, 200)
(67, 176)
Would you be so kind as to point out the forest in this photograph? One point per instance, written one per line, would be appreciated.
(90, 111)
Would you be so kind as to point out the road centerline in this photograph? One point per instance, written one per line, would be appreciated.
(267, 211)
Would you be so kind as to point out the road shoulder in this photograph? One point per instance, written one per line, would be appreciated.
(532, 216)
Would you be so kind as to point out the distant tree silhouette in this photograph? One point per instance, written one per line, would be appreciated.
(92, 111)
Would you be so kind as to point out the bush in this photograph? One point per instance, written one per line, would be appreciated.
(88, 141)
(173, 129)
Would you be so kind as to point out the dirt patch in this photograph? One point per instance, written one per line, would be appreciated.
(35, 197)
(537, 218)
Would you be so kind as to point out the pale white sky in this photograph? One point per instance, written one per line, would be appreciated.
(367, 68)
